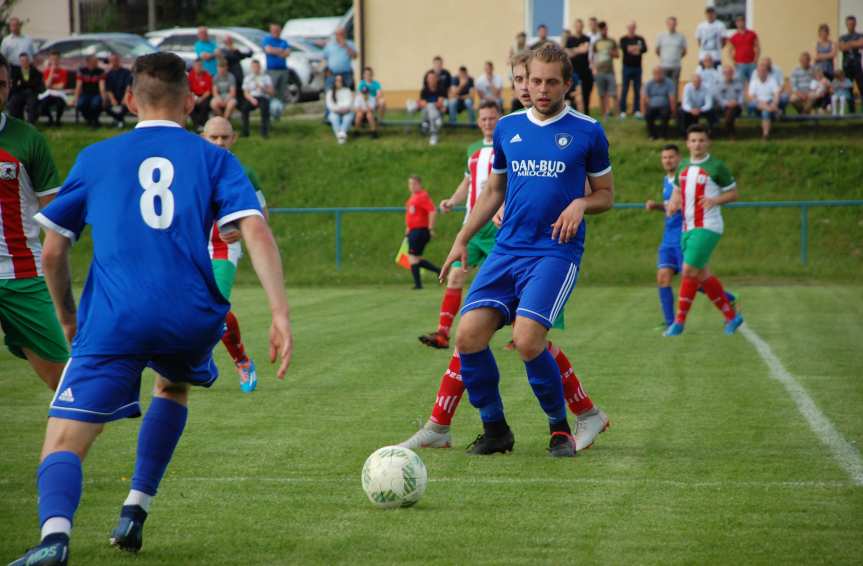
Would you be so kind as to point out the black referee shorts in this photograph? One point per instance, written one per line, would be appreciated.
(418, 238)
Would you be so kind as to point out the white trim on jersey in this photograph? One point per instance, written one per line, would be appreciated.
(577, 114)
(499, 171)
(48, 224)
(600, 173)
(2, 121)
(48, 192)
(157, 123)
(543, 123)
(237, 215)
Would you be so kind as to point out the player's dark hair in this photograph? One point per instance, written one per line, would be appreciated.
(552, 53)
(489, 104)
(159, 79)
(697, 129)
(416, 178)
(671, 147)
(4, 63)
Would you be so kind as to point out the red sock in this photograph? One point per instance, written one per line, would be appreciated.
(688, 288)
(576, 397)
(232, 339)
(713, 288)
(449, 393)
(448, 309)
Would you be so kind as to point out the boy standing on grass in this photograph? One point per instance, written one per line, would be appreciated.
(701, 186)
(420, 213)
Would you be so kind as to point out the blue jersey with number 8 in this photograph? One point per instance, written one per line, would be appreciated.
(150, 197)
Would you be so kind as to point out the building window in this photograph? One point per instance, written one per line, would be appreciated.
(728, 10)
(552, 13)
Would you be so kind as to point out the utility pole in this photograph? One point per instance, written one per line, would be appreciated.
(151, 15)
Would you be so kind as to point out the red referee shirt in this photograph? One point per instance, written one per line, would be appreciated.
(417, 210)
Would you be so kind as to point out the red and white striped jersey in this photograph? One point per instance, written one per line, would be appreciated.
(708, 177)
(480, 157)
(219, 249)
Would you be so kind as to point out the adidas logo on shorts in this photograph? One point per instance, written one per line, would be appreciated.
(67, 396)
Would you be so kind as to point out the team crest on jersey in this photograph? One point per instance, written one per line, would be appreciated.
(562, 140)
(701, 179)
(8, 171)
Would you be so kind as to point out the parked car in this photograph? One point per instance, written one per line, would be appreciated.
(74, 50)
(318, 31)
(304, 80)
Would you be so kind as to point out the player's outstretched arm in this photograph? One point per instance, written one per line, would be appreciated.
(673, 203)
(600, 199)
(58, 278)
(488, 203)
(458, 197)
(268, 265)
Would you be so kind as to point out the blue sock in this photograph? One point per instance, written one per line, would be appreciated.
(60, 481)
(160, 432)
(481, 378)
(730, 296)
(544, 377)
(666, 299)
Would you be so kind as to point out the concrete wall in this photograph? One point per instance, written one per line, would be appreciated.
(787, 28)
(44, 19)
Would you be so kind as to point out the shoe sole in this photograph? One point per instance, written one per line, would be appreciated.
(116, 544)
(432, 344)
(447, 445)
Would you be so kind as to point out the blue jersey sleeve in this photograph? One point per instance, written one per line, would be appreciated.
(598, 162)
(234, 196)
(67, 213)
(499, 163)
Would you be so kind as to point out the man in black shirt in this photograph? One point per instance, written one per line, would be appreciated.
(578, 49)
(633, 47)
(117, 82)
(26, 85)
(851, 45)
(461, 96)
(233, 57)
(90, 91)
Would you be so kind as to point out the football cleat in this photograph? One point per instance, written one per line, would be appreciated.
(52, 551)
(561, 445)
(431, 435)
(485, 444)
(248, 375)
(675, 329)
(129, 533)
(437, 340)
(732, 325)
(588, 426)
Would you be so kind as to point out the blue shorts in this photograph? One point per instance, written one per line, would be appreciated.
(532, 287)
(669, 257)
(99, 389)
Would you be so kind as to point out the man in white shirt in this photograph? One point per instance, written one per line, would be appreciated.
(764, 96)
(710, 35)
(697, 103)
(710, 74)
(257, 91)
(490, 86)
(671, 49)
(16, 43)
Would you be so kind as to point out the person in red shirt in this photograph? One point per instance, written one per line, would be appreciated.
(745, 49)
(52, 102)
(201, 85)
(420, 213)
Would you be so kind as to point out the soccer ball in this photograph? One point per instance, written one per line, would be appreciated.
(394, 477)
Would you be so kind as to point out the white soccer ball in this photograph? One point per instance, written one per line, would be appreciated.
(394, 477)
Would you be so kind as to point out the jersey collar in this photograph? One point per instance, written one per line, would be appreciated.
(157, 123)
(2, 121)
(702, 160)
(552, 120)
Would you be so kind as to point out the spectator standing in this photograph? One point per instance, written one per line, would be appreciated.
(201, 85)
(205, 50)
(519, 46)
(605, 51)
(541, 37)
(90, 91)
(340, 53)
(801, 85)
(489, 86)
(825, 51)
(340, 108)
(842, 93)
(710, 35)
(764, 95)
(729, 99)
(633, 47)
(234, 58)
(118, 81)
(257, 91)
(52, 102)
(224, 99)
(16, 43)
(369, 100)
(461, 96)
(710, 75)
(431, 105)
(745, 49)
(671, 49)
(851, 44)
(659, 99)
(26, 85)
(697, 103)
(578, 48)
(277, 50)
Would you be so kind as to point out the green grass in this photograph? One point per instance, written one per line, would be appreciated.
(301, 166)
(707, 461)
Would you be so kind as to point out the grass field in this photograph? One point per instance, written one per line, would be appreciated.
(708, 460)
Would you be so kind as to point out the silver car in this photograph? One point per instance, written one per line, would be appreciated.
(305, 77)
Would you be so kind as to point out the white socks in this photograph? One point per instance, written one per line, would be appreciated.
(139, 498)
(56, 525)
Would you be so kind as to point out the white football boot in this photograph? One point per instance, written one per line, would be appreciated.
(588, 426)
(431, 435)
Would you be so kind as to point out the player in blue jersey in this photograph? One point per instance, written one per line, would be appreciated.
(150, 300)
(669, 260)
(541, 158)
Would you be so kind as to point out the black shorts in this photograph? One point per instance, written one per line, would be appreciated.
(418, 238)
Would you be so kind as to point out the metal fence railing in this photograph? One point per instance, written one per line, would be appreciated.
(803, 205)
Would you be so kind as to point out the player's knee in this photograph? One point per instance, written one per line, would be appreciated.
(455, 279)
(691, 271)
(663, 278)
(177, 392)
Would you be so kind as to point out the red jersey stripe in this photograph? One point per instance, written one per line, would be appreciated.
(13, 226)
(700, 185)
(220, 248)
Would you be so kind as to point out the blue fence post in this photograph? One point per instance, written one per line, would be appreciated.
(804, 234)
(338, 239)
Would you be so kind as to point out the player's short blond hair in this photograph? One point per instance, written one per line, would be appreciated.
(552, 53)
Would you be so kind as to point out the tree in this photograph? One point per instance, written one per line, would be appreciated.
(260, 13)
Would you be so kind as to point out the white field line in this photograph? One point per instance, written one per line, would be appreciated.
(845, 454)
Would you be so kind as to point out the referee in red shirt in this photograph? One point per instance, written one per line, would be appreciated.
(420, 215)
